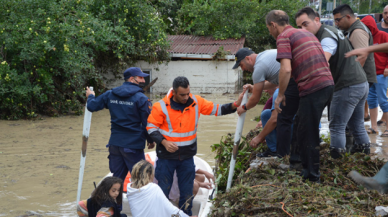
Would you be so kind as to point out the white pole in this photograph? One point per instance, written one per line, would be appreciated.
(237, 137)
(85, 137)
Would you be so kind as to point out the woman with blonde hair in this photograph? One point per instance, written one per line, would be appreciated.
(145, 197)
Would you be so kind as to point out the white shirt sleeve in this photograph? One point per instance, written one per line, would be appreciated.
(329, 45)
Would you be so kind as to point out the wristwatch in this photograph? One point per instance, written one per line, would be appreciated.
(244, 107)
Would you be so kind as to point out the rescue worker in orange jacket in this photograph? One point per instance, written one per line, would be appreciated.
(173, 124)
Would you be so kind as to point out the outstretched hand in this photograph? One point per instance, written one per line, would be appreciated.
(361, 53)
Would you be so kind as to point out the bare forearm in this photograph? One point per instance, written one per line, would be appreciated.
(269, 126)
(284, 79)
(378, 48)
(253, 100)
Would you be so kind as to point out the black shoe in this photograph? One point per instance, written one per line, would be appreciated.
(336, 153)
(267, 153)
(362, 148)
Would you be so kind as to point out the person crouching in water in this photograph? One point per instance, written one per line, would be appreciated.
(145, 198)
(106, 200)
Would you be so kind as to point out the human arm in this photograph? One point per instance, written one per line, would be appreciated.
(208, 175)
(329, 46)
(268, 85)
(239, 100)
(210, 108)
(82, 209)
(268, 128)
(154, 121)
(105, 212)
(144, 107)
(360, 39)
(96, 103)
(206, 185)
(362, 53)
(284, 79)
(254, 99)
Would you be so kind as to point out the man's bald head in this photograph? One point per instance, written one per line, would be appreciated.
(277, 16)
(385, 15)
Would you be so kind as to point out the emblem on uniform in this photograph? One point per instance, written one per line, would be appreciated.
(235, 58)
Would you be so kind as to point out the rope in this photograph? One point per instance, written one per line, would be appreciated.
(285, 210)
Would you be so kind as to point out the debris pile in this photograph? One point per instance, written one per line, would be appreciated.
(271, 190)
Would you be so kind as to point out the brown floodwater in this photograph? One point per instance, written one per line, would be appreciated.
(39, 160)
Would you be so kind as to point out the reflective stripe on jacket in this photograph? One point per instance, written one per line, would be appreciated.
(180, 127)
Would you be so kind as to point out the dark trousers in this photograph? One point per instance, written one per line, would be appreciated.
(121, 160)
(307, 131)
(185, 171)
(285, 119)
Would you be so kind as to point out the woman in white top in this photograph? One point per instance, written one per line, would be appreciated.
(145, 198)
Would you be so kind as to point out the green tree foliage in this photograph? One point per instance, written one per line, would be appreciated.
(234, 19)
(50, 50)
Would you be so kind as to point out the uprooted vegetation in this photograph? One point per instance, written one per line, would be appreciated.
(272, 191)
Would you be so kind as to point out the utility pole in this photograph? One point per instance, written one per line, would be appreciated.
(320, 7)
(370, 5)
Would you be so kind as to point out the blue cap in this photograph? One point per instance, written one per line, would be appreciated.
(134, 71)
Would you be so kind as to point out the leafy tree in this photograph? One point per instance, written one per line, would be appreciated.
(51, 50)
(233, 19)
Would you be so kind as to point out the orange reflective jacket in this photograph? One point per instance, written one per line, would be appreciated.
(180, 127)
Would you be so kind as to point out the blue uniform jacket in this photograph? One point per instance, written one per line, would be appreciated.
(129, 109)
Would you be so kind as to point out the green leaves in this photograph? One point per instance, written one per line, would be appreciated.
(54, 49)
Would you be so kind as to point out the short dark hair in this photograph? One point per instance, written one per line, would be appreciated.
(344, 10)
(180, 81)
(311, 13)
(277, 16)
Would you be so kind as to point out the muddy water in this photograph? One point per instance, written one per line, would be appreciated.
(39, 160)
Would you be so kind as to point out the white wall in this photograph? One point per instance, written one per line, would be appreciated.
(205, 76)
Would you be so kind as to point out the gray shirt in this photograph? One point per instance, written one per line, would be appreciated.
(381, 28)
(266, 67)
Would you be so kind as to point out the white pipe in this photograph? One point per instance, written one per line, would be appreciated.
(85, 137)
(237, 137)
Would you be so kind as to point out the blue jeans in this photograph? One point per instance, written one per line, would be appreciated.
(378, 94)
(121, 160)
(271, 137)
(185, 171)
(347, 108)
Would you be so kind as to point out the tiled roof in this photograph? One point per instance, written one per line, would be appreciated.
(188, 44)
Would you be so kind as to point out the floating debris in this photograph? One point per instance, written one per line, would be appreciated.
(272, 189)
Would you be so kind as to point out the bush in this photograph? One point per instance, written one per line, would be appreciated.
(53, 49)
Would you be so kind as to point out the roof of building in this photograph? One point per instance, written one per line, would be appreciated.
(203, 45)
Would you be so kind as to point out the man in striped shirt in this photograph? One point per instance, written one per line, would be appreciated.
(301, 56)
